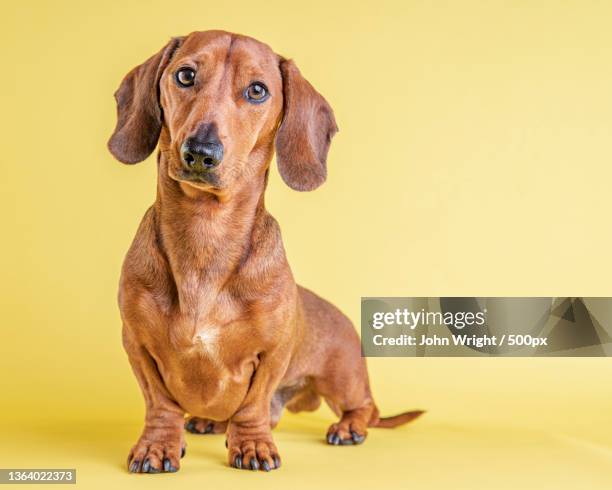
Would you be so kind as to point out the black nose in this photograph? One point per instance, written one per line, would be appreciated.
(203, 150)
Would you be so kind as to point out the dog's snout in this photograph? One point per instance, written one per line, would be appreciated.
(203, 150)
(205, 155)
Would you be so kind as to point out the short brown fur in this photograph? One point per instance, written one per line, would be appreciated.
(213, 322)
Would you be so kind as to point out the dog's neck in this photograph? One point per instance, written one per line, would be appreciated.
(206, 238)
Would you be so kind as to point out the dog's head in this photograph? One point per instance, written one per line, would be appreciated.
(218, 103)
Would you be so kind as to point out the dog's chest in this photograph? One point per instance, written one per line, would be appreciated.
(207, 339)
(220, 332)
(210, 341)
(207, 365)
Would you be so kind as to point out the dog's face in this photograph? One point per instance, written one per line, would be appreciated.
(218, 103)
(222, 99)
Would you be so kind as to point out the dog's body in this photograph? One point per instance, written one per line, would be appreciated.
(214, 324)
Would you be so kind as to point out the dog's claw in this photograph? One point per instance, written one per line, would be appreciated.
(197, 425)
(146, 466)
(134, 466)
(168, 466)
(354, 439)
(253, 453)
(183, 451)
(357, 438)
(334, 439)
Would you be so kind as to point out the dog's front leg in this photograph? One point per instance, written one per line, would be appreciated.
(249, 436)
(161, 444)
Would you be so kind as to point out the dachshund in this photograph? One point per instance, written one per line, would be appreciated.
(214, 325)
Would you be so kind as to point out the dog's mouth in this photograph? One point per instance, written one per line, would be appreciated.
(204, 180)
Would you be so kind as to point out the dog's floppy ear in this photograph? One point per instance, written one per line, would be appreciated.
(139, 115)
(304, 136)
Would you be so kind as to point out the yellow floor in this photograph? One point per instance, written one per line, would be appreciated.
(430, 453)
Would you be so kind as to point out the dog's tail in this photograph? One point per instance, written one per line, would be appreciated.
(395, 420)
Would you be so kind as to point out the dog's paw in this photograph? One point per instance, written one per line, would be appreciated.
(149, 456)
(197, 425)
(253, 454)
(345, 433)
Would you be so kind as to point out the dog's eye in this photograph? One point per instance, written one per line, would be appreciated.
(185, 77)
(256, 93)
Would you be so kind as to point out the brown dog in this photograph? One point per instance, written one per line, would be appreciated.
(213, 323)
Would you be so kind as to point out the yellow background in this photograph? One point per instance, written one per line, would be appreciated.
(474, 158)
